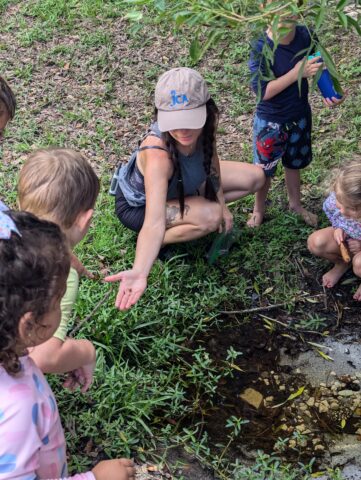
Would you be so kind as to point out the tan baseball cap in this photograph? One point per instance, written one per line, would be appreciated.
(181, 95)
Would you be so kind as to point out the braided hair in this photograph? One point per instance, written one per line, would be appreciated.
(7, 97)
(33, 272)
(208, 137)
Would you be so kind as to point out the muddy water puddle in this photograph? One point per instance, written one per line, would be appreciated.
(299, 391)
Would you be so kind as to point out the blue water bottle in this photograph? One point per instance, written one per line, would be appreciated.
(325, 83)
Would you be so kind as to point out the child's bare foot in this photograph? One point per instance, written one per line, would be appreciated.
(330, 278)
(357, 294)
(255, 219)
(308, 217)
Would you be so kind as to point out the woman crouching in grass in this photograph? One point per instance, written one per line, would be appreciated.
(174, 188)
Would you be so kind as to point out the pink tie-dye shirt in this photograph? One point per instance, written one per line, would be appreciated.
(32, 443)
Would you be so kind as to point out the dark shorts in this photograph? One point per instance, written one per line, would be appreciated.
(130, 217)
(289, 142)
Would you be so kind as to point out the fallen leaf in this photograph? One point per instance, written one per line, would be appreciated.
(153, 468)
(296, 394)
(236, 367)
(324, 355)
(89, 447)
(348, 281)
(291, 397)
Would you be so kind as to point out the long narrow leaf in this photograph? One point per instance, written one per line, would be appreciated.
(343, 19)
(341, 4)
(324, 355)
(293, 395)
(355, 24)
(328, 61)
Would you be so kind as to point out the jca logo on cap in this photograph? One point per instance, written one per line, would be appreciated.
(178, 99)
(181, 95)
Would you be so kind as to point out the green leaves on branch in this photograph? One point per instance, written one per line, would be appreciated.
(211, 20)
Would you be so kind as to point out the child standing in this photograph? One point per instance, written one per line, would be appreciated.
(61, 186)
(7, 105)
(283, 121)
(343, 209)
(34, 264)
(7, 112)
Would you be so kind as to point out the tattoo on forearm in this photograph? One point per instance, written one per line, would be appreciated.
(173, 212)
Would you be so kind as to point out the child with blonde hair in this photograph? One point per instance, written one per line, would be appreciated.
(343, 209)
(34, 265)
(60, 185)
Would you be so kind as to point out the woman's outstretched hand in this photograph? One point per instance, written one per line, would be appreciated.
(131, 288)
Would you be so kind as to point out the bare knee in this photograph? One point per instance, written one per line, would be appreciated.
(259, 179)
(316, 243)
(356, 265)
(211, 217)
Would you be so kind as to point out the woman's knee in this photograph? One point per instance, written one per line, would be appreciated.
(211, 217)
(258, 179)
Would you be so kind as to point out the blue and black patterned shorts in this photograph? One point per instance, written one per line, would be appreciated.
(290, 142)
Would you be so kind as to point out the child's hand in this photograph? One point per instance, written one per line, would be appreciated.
(79, 267)
(310, 67)
(339, 235)
(82, 377)
(119, 469)
(354, 246)
(333, 102)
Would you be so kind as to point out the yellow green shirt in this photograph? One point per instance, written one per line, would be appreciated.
(67, 303)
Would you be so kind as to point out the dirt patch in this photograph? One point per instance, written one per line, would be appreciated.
(289, 410)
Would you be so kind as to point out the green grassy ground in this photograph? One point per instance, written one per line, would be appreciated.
(84, 78)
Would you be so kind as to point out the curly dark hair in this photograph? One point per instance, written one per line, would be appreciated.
(33, 272)
(208, 138)
(7, 97)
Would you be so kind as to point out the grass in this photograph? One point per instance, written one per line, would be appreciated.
(84, 79)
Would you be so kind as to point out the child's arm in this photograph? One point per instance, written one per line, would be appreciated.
(335, 217)
(274, 87)
(63, 355)
(56, 356)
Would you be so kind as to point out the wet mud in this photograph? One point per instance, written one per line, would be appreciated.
(299, 389)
